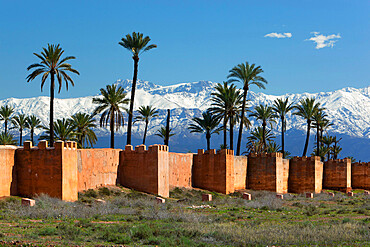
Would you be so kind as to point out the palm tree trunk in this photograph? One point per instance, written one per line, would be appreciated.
(282, 136)
(146, 128)
(241, 122)
(32, 137)
(264, 136)
(231, 134)
(112, 130)
(208, 137)
(20, 137)
(130, 113)
(318, 141)
(6, 125)
(51, 124)
(307, 137)
(167, 137)
(225, 131)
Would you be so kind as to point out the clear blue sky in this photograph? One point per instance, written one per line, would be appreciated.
(197, 40)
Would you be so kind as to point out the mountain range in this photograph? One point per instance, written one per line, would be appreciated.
(348, 109)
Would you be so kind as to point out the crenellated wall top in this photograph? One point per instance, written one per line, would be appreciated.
(58, 145)
(265, 155)
(305, 158)
(214, 152)
(142, 148)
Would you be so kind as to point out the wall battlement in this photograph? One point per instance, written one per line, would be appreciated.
(305, 158)
(254, 155)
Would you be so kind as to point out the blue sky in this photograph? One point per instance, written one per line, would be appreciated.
(197, 40)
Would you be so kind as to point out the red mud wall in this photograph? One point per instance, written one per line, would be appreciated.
(305, 174)
(180, 166)
(213, 171)
(97, 167)
(145, 170)
(240, 172)
(7, 171)
(268, 171)
(337, 174)
(361, 175)
(51, 171)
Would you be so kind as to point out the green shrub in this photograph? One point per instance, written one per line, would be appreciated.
(48, 231)
(91, 193)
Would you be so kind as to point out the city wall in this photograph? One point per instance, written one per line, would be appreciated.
(268, 171)
(180, 167)
(97, 167)
(214, 171)
(145, 170)
(7, 171)
(64, 170)
(305, 174)
(360, 175)
(43, 170)
(337, 175)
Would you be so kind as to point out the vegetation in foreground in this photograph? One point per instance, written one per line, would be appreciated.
(132, 218)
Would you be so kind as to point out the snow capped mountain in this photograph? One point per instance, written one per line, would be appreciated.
(348, 108)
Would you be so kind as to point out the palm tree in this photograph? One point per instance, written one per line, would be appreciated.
(226, 105)
(20, 122)
(110, 104)
(207, 124)
(7, 139)
(318, 120)
(266, 115)
(255, 140)
(282, 107)
(52, 64)
(63, 131)
(136, 44)
(82, 124)
(248, 75)
(162, 133)
(327, 141)
(5, 115)
(336, 148)
(307, 108)
(33, 123)
(146, 113)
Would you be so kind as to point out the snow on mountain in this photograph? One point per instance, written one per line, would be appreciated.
(347, 108)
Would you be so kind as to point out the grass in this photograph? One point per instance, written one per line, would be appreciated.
(132, 218)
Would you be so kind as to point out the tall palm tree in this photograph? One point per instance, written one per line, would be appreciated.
(247, 75)
(307, 108)
(7, 139)
(282, 107)
(207, 124)
(162, 133)
(63, 131)
(110, 105)
(146, 114)
(226, 105)
(136, 44)
(52, 64)
(318, 120)
(33, 123)
(20, 123)
(82, 124)
(267, 116)
(6, 115)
